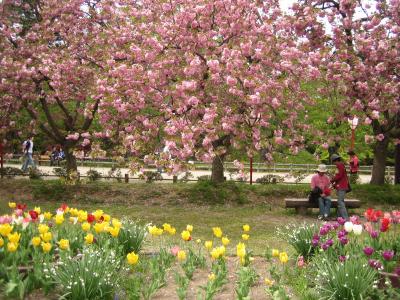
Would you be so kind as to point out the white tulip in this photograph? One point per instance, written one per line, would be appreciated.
(348, 226)
(357, 229)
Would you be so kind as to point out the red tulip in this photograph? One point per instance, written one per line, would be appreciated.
(34, 215)
(91, 218)
(21, 206)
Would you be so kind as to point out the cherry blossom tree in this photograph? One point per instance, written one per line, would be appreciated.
(206, 76)
(358, 44)
(51, 54)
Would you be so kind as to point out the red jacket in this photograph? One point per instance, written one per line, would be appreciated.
(340, 180)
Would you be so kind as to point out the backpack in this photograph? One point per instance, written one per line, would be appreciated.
(27, 145)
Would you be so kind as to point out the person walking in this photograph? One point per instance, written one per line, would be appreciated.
(341, 183)
(320, 184)
(27, 149)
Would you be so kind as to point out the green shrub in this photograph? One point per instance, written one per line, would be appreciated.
(61, 172)
(92, 275)
(299, 237)
(217, 193)
(269, 179)
(352, 279)
(50, 190)
(93, 175)
(204, 178)
(35, 174)
(132, 236)
(11, 172)
(150, 176)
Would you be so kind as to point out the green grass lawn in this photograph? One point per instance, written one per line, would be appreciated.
(202, 205)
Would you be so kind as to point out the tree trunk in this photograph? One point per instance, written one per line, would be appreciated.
(379, 167)
(217, 173)
(397, 165)
(70, 160)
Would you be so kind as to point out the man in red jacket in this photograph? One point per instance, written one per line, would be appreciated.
(341, 184)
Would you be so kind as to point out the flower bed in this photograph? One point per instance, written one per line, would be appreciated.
(354, 259)
(91, 255)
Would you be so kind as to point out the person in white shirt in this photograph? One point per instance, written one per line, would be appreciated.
(27, 149)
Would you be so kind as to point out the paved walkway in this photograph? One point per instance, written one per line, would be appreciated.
(196, 173)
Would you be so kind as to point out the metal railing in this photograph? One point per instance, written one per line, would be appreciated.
(229, 166)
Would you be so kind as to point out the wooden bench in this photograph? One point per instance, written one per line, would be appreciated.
(302, 204)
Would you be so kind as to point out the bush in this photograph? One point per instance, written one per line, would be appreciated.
(300, 237)
(150, 176)
(217, 193)
(61, 172)
(11, 172)
(351, 279)
(93, 175)
(35, 173)
(92, 275)
(204, 178)
(269, 179)
(131, 236)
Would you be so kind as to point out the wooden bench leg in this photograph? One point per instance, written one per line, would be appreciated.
(301, 210)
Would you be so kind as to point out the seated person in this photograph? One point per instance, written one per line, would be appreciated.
(54, 156)
(320, 184)
(61, 154)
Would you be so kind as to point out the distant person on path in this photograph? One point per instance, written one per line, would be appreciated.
(27, 150)
(320, 184)
(354, 162)
(341, 183)
(61, 154)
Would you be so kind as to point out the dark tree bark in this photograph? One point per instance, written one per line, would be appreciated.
(70, 160)
(217, 172)
(379, 167)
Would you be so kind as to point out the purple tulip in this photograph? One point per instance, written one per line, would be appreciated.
(316, 237)
(325, 247)
(329, 242)
(368, 251)
(397, 271)
(342, 258)
(343, 240)
(324, 230)
(388, 254)
(335, 225)
(341, 220)
(315, 242)
(354, 219)
(342, 233)
(374, 264)
(374, 234)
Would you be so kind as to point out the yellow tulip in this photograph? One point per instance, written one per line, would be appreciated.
(189, 228)
(132, 258)
(155, 231)
(12, 247)
(217, 232)
(218, 252)
(46, 247)
(85, 226)
(5, 229)
(64, 244)
(269, 282)
(181, 255)
(283, 257)
(36, 241)
(97, 214)
(43, 228)
(211, 277)
(89, 238)
(14, 237)
(208, 245)
(275, 252)
(116, 223)
(198, 241)
(246, 228)
(186, 235)
(46, 237)
(225, 241)
(59, 219)
(114, 231)
(12, 204)
(37, 209)
(47, 215)
(241, 250)
(1, 242)
(245, 237)
(99, 227)
(74, 212)
(106, 217)
(167, 227)
(82, 216)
